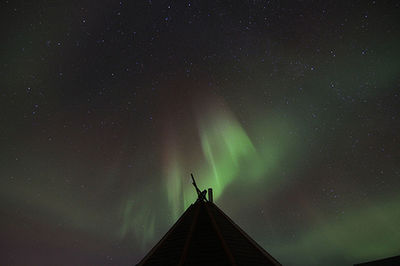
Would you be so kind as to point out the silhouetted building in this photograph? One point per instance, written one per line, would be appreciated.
(204, 235)
(392, 261)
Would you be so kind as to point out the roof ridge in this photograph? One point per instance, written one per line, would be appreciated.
(187, 242)
(247, 237)
(150, 253)
(219, 234)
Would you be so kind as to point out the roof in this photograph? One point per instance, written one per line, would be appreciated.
(204, 235)
(392, 261)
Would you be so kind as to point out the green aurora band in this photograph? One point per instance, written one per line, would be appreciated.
(377, 236)
(228, 158)
(297, 133)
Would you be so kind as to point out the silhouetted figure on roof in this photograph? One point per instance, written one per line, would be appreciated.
(201, 195)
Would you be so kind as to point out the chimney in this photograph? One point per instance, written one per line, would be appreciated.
(210, 195)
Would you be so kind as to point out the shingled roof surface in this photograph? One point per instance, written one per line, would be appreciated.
(204, 235)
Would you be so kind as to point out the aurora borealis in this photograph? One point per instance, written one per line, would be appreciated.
(289, 110)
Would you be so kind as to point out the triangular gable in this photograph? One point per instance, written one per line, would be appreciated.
(205, 235)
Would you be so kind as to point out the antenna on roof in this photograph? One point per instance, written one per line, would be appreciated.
(201, 195)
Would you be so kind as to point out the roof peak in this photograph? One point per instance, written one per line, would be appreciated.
(205, 229)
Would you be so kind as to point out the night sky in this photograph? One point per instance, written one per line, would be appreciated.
(289, 110)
